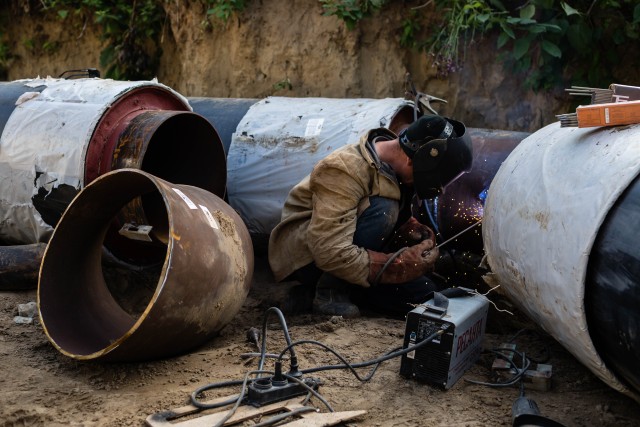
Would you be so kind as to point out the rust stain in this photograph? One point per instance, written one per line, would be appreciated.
(543, 219)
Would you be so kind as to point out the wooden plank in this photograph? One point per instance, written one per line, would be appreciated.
(166, 418)
(324, 419)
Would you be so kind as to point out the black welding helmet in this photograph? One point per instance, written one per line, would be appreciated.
(441, 151)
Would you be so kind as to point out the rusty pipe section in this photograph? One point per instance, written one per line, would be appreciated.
(19, 266)
(201, 285)
(154, 141)
(58, 135)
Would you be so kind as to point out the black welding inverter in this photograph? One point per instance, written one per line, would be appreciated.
(445, 359)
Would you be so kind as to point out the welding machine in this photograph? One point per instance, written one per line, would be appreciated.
(447, 357)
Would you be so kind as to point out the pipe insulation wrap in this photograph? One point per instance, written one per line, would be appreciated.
(44, 145)
(199, 287)
(543, 212)
(279, 140)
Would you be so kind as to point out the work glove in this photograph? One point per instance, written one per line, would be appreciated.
(410, 233)
(411, 263)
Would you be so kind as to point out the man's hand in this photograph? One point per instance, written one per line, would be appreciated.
(410, 233)
(413, 262)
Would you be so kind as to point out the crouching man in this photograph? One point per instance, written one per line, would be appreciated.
(347, 231)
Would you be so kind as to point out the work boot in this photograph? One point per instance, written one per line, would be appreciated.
(298, 300)
(332, 298)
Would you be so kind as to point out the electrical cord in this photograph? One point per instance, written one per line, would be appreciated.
(277, 418)
(287, 337)
(194, 395)
(295, 373)
(499, 352)
(547, 354)
(352, 367)
(395, 255)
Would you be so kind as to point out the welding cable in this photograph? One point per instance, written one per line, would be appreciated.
(194, 395)
(386, 264)
(287, 337)
(352, 367)
(277, 418)
(526, 363)
(431, 217)
(311, 392)
(399, 251)
(546, 353)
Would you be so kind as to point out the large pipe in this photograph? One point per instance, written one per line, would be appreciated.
(202, 283)
(561, 232)
(462, 203)
(270, 149)
(19, 266)
(62, 134)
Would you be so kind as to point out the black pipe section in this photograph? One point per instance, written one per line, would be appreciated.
(612, 294)
(462, 203)
(19, 266)
(9, 94)
(223, 113)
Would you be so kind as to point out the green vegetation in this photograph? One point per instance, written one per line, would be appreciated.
(130, 28)
(351, 11)
(540, 38)
(545, 40)
(224, 9)
(5, 55)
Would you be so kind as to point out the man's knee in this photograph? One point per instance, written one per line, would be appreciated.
(376, 223)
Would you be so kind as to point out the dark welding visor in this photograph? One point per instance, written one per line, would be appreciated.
(441, 161)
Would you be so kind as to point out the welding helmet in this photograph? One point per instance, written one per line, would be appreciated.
(440, 149)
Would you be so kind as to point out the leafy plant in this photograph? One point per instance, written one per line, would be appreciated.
(224, 9)
(351, 11)
(543, 39)
(5, 56)
(283, 84)
(130, 29)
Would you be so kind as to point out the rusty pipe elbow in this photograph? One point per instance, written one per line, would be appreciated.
(201, 284)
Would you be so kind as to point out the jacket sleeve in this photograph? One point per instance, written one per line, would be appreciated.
(337, 192)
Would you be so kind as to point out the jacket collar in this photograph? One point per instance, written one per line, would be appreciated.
(368, 151)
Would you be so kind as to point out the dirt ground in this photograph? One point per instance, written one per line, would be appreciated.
(41, 387)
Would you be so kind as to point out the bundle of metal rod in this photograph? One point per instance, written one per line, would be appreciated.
(568, 120)
(615, 93)
(609, 114)
(598, 96)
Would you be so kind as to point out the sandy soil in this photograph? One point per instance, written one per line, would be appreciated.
(41, 387)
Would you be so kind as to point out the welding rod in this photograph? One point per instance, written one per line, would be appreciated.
(568, 120)
(598, 96)
(425, 253)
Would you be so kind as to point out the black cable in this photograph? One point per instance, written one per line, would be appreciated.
(277, 418)
(526, 363)
(546, 353)
(395, 255)
(237, 399)
(311, 391)
(194, 399)
(352, 367)
(287, 337)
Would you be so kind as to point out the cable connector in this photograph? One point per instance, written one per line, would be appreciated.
(294, 371)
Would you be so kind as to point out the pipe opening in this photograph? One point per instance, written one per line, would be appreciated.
(89, 302)
(612, 293)
(186, 149)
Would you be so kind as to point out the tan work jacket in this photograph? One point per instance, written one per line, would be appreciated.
(320, 213)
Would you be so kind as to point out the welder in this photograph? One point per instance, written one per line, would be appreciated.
(347, 233)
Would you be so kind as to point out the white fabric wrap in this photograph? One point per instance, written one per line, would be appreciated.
(49, 133)
(543, 212)
(279, 140)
